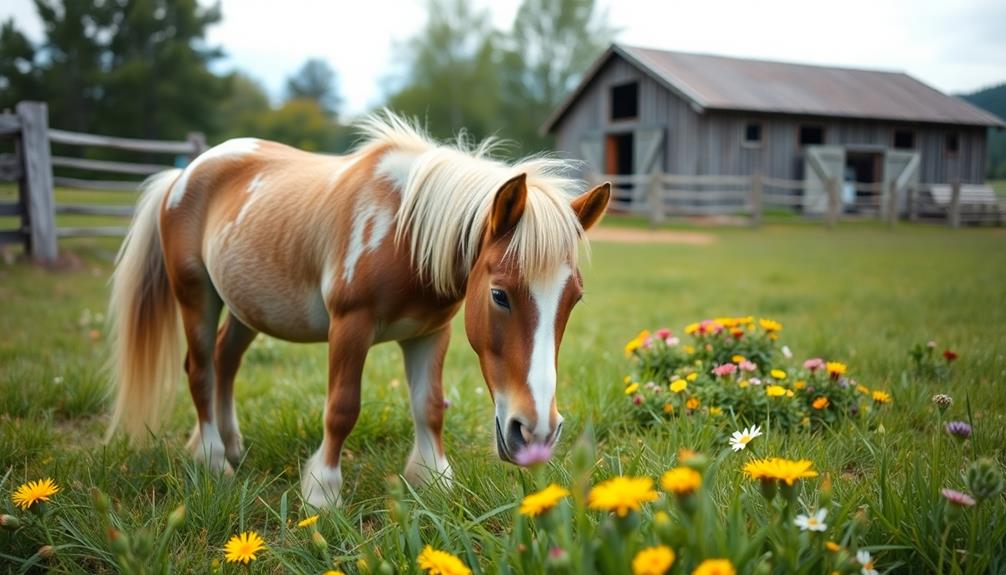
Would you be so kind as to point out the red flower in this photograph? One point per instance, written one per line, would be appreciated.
(949, 355)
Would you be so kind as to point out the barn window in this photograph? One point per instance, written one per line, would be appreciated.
(752, 133)
(952, 144)
(811, 135)
(904, 139)
(625, 101)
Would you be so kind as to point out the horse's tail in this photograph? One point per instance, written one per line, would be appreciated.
(146, 348)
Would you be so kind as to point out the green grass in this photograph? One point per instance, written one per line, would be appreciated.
(860, 294)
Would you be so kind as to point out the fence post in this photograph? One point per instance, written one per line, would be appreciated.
(757, 202)
(834, 201)
(954, 217)
(198, 141)
(656, 198)
(912, 201)
(892, 205)
(36, 183)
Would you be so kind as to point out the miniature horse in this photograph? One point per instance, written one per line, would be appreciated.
(382, 244)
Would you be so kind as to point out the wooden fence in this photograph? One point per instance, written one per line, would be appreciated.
(32, 164)
(659, 196)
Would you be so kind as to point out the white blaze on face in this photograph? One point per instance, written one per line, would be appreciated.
(541, 377)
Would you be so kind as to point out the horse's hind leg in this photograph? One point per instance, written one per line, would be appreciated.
(424, 366)
(232, 341)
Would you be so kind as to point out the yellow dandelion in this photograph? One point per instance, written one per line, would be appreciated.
(537, 503)
(627, 380)
(715, 567)
(832, 546)
(692, 403)
(738, 359)
(668, 408)
(776, 468)
(242, 548)
(631, 389)
(436, 562)
(863, 389)
(653, 561)
(790, 393)
(715, 411)
(636, 342)
(688, 349)
(621, 494)
(33, 492)
(308, 521)
(799, 384)
(820, 403)
(770, 325)
(743, 384)
(881, 396)
(681, 481)
(679, 385)
(778, 374)
(692, 328)
(775, 391)
(685, 454)
(835, 368)
(692, 376)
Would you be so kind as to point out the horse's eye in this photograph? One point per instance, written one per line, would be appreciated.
(499, 296)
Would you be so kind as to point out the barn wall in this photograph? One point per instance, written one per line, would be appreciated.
(723, 150)
(589, 117)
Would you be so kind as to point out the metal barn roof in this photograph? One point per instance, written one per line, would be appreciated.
(722, 83)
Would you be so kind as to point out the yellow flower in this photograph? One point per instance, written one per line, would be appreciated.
(621, 494)
(679, 385)
(881, 397)
(835, 368)
(726, 321)
(537, 503)
(743, 384)
(668, 408)
(738, 359)
(681, 481)
(770, 325)
(626, 380)
(789, 393)
(715, 411)
(832, 546)
(688, 349)
(779, 469)
(333, 573)
(715, 567)
(692, 376)
(636, 342)
(34, 491)
(631, 389)
(653, 561)
(799, 384)
(691, 328)
(685, 454)
(775, 391)
(863, 389)
(308, 521)
(778, 374)
(242, 548)
(692, 403)
(436, 562)
(820, 403)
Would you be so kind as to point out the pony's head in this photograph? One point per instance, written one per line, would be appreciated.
(520, 292)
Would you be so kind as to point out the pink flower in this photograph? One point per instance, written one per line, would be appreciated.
(748, 365)
(754, 381)
(724, 370)
(813, 364)
(638, 400)
(663, 333)
(532, 454)
(672, 341)
(957, 498)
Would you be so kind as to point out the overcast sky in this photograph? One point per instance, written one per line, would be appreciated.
(954, 45)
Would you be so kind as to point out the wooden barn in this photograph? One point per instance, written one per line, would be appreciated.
(639, 110)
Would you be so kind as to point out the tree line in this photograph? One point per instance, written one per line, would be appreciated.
(143, 68)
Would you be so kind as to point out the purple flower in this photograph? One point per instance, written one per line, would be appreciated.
(532, 454)
(957, 498)
(959, 429)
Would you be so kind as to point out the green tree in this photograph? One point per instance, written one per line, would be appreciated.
(242, 111)
(451, 78)
(317, 81)
(19, 78)
(551, 45)
(303, 124)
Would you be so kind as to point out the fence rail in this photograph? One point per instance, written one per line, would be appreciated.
(659, 196)
(33, 164)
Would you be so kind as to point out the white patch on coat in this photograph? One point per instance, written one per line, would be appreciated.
(254, 194)
(396, 166)
(236, 147)
(208, 447)
(369, 217)
(541, 377)
(320, 484)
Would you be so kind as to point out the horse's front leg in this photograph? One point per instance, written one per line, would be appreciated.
(424, 366)
(349, 339)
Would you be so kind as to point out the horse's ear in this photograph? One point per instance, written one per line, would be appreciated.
(508, 206)
(591, 205)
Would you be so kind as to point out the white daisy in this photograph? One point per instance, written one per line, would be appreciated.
(864, 559)
(740, 439)
(813, 522)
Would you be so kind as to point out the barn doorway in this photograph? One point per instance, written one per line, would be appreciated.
(862, 167)
(619, 151)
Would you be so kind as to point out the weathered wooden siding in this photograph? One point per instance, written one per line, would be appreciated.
(711, 142)
(658, 107)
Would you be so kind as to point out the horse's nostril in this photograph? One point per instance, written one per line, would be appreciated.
(517, 435)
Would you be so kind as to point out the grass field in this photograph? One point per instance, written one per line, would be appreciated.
(860, 294)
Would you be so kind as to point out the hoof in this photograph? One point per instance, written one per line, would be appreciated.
(321, 484)
(207, 448)
(420, 471)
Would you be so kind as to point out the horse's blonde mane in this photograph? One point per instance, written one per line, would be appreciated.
(448, 195)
